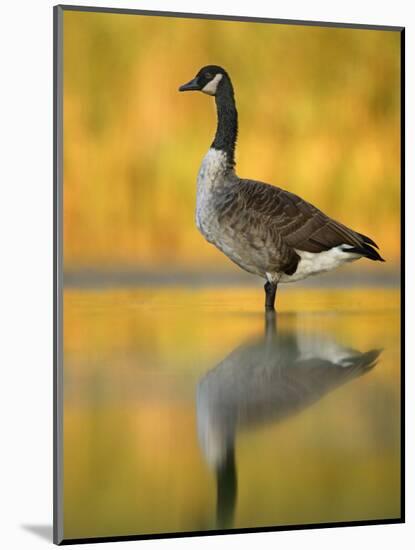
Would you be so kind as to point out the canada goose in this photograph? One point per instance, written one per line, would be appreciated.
(264, 229)
(268, 379)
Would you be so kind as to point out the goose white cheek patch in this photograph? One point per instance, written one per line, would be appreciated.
(212, 85)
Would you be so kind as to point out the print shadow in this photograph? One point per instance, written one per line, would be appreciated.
(43, 531)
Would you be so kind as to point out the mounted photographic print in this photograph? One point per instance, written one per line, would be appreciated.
(228, 258)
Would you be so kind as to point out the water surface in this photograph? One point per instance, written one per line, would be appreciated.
(191, 410)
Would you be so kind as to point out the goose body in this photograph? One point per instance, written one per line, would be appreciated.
(264, 229)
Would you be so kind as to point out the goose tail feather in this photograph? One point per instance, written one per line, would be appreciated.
(366, 250)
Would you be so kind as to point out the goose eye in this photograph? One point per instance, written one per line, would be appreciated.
(208, 75)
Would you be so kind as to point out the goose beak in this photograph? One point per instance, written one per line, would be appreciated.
(192, 85)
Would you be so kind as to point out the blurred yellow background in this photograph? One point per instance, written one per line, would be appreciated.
(319, 114)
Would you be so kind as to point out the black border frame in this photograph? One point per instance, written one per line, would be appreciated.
(58, 11)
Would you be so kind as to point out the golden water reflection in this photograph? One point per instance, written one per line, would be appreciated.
(269, 379)
(187, 410)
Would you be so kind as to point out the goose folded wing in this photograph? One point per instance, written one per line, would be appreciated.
(300, 224)
(318, 233)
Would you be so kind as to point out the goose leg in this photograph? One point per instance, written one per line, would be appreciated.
(270, 292)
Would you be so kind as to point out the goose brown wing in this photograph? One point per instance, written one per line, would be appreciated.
(300, 224)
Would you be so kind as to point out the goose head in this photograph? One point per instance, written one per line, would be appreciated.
(208, 80)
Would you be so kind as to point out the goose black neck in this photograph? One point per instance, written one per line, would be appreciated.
(227, 129)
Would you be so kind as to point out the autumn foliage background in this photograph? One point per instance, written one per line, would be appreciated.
(319, 113)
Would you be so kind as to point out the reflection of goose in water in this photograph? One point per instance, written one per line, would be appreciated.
(262, 381)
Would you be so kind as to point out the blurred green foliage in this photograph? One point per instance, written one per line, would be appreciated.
(319, 112)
